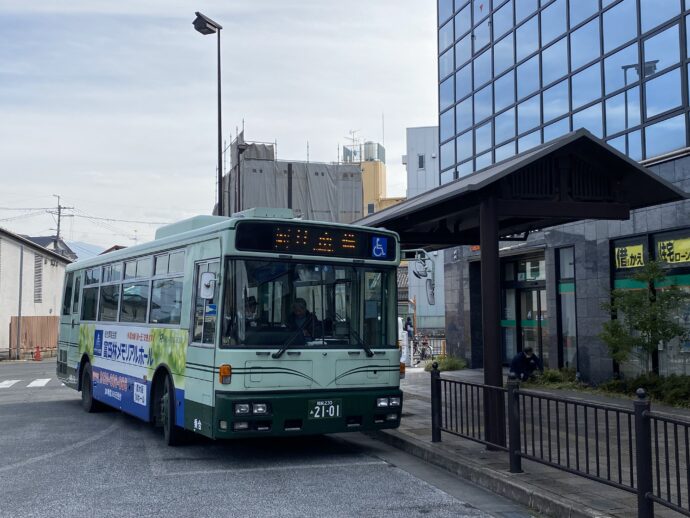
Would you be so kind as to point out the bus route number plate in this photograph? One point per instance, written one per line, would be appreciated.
(325, 408)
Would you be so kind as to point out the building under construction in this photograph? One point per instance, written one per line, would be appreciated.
(315, 190)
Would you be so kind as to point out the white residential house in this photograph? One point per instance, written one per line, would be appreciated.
(31, 280)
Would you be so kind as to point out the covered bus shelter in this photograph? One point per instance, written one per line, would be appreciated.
(575, 177)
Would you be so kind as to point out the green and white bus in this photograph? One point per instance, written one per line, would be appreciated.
(257, 324)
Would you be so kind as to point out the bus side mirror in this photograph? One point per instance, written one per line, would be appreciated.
(207, 285)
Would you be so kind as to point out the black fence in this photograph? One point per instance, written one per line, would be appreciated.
(635, 450)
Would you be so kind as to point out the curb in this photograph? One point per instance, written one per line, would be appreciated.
(504, 484)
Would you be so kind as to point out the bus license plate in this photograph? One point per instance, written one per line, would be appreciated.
(325, 408)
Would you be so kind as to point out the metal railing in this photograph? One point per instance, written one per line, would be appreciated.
(636, 450)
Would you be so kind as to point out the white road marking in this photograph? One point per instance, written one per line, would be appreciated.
(42, 382)
(272, 468)
(8, 383)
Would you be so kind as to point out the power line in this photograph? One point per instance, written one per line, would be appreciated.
(122, 220)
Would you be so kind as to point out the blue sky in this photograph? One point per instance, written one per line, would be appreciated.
(112, 105)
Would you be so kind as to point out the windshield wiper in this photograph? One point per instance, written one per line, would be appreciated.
(287, 344)
(360, 342)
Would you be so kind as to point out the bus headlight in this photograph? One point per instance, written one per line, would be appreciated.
(241, 408)
(260, 408)
(394, 401)
(382, 402)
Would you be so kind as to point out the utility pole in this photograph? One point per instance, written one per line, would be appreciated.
(59, 215)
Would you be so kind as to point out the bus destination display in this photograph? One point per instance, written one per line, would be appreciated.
(288, 238)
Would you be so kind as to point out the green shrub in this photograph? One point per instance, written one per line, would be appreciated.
(670, 390)
(447, 363)
(555, 378)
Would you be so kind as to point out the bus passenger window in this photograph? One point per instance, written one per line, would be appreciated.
(67, 300)
(88, 308)
(135, 300)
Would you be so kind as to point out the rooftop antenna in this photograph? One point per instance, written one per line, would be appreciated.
(242, 124)
(383, 131)
(307, 151)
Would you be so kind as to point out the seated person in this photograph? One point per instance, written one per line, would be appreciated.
(525, 363)
(301, 318)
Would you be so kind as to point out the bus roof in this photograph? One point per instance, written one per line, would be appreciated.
(191, 229)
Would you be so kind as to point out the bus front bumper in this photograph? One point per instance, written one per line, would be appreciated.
(305, 413)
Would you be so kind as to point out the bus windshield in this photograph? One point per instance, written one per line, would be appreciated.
(280, 303)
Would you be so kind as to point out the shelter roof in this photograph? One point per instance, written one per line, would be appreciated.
(575, 177)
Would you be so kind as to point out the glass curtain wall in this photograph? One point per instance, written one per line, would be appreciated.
(514, 74)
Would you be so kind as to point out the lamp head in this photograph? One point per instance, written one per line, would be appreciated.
(205, 25)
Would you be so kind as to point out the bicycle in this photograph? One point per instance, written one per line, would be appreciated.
(421, 350)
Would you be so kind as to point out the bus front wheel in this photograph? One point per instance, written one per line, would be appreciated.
(88, 403)
(172, 434)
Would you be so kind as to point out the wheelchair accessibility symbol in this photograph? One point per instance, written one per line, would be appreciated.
(379, 246)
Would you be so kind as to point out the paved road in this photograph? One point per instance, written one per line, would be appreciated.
(56, 460)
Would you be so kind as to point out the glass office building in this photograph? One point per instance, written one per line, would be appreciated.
(514, 74)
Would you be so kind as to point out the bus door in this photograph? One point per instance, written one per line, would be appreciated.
(201, 352)
(68, 343)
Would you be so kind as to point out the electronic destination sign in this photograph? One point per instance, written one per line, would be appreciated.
(291, 238)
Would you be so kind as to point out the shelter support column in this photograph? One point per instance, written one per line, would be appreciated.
(494, 410)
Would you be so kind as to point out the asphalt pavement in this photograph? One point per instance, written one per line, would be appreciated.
(56, 460)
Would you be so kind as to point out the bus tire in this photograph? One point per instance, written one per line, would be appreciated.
(172, 434)
(88, 403)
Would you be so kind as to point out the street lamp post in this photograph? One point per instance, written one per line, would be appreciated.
(205, 25)
(649, 69)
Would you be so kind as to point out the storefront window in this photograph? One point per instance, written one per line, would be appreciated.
(567, 314)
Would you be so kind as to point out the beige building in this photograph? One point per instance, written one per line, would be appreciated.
(371, 158)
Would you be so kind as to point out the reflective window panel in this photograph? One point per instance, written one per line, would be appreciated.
(503, 19)
(463, 145)
(586, 86)
(523, 8)
(504, 90)
(556, 129)
(482, 68)
(505, 151)
(447, 155)
(584, 44)
(529, 141)
(654, 12)
(665, 136)
(463, 22)
(527, 38)
(623, 111)
(580, 10)
(663, 93)
(555, 61)
(447, 129)
(620, 24)
(463, 50)
(483, 105)
(445, 10)
(621, 68)
(466, 168)
(447, 176)
(528, 77)
(505, 126)
(463, 115)
(482, 137)
(445, 64)
(661, 50)
(556, 101)
(481, 36)
(445, 36)
(446, 93)
(483, 161)
(553, 21)
(463, 82)
(529, 114)
(590, 119)
(503, 54)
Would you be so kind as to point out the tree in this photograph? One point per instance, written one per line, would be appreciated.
(644, 318)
